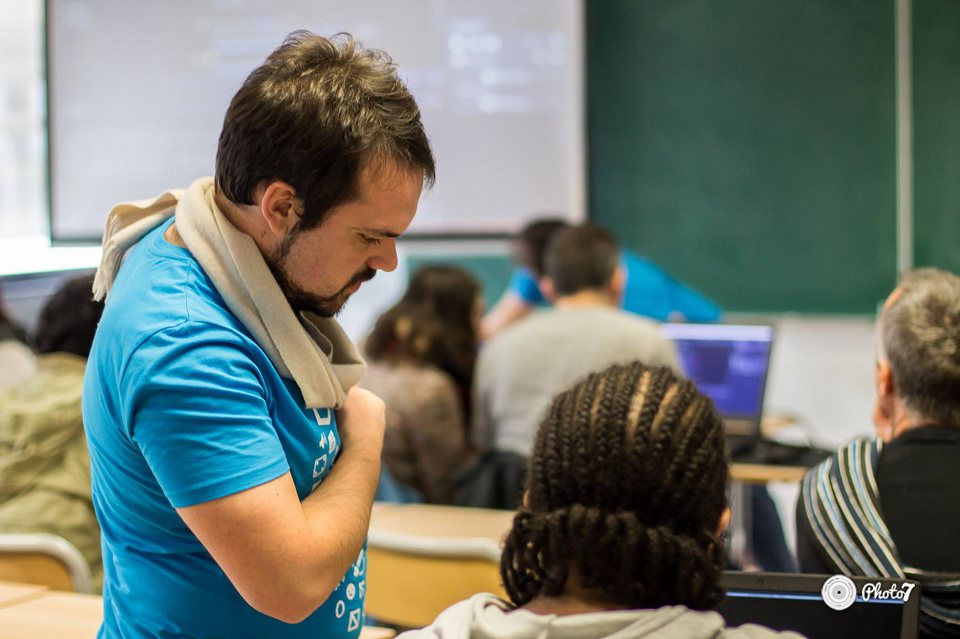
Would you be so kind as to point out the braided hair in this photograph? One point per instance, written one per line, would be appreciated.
(625, 488)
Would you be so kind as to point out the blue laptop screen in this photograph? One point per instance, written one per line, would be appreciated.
(727, 363)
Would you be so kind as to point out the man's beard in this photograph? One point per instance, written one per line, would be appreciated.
(301, 300)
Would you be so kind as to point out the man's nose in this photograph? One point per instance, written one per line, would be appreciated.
(386, 258)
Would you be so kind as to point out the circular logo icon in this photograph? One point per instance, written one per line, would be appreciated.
(839, 592)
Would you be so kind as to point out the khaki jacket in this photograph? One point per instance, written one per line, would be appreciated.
(44, 464)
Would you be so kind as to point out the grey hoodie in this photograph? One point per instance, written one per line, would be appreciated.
(485, 616)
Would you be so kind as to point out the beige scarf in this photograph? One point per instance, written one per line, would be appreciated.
(313, 351)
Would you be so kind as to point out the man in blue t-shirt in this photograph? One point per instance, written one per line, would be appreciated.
(648, 290)
(234, 462)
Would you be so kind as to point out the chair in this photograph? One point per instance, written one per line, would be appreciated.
(411, 579)
(41, 558)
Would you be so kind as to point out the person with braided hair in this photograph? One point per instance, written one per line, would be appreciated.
(620, 530)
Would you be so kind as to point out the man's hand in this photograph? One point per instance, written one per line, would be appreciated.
(362, 420)
(285, 556)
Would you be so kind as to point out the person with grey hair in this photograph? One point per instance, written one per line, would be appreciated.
(234, 459)
(860, 512)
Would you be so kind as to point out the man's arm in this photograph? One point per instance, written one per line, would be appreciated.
(284, 556)
(521, 297)
(810, 557)
(508, 309)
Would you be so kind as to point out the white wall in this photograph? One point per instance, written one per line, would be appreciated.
(821, 374)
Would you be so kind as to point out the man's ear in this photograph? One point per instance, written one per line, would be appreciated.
(280, 207)
(617, 282)
(884, 403)
(886, 385)
(548, 289)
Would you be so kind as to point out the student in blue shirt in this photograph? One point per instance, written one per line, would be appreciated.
(648, 289)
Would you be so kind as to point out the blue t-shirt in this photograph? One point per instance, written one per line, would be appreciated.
(181, 407)
(648, 291)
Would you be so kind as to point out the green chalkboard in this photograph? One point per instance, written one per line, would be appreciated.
(936, 108)
(749, 146)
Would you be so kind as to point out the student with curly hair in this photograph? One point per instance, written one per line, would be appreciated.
(619, 534)
(421, 356)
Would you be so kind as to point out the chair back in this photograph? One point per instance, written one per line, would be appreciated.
(41, 558)
(421, 559)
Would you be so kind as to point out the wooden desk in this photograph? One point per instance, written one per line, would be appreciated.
(12, 593)
(52, 615)
(422, 520)
(741, 524)
(762, 474)
(422, 558)
(48, 614)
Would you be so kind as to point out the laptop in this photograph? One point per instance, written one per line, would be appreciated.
(822, 606)
(728, 363)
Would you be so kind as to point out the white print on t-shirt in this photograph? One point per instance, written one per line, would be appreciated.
(319, 466)
(324, 416)
(327, 444)
(332, 442)
(354, 622)
(341, 609)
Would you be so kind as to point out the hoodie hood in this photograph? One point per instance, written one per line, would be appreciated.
(485, 616)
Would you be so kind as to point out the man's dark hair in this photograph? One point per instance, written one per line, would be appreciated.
(581, 258)
(69, 319)
(316, 114)
(625, 489)
(531, 242)
(920, 333)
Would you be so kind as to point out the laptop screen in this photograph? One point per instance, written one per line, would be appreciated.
(728, 363)
(875, 608)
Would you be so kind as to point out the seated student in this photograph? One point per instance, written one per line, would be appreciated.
(421, 357)
(522, 368)
(647, 289)
(621, 530)
(888, 506)
(17, 362)
(44, 464)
